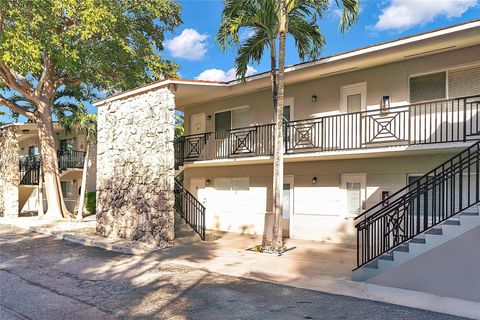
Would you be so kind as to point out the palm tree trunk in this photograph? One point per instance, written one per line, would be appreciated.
(268, 227)
(277, 242)
(81, 202)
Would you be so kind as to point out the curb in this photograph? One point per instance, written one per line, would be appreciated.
(114, 247)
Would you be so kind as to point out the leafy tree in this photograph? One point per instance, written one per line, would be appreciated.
(179, 122)
(269, 22)
(84, 46)
(82, 123)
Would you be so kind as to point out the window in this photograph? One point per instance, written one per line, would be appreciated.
(465, 82)
(354, 198)
(428, 87)
(223, 123)
(66, 144)
(354, 188)
(67, 189)
(286, 114)
(234, 195)
(231, 119)
(33, 150)
(354, 103)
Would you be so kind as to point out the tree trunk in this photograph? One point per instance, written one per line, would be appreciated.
(51, 179)
(81, 202)
(268, 227)
(40, 211)
(277, 241)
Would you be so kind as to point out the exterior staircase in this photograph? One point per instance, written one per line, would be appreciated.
(436, 208)
(430, 239)
(184, 234)
(189, 216)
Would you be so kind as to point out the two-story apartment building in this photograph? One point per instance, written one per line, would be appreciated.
(381, 144)
(71, 150)
(359, 126)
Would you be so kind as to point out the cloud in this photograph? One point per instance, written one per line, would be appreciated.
(404, 14)
(189, 45)
(222, 76)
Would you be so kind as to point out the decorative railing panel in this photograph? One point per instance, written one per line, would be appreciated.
(440, 194)
(190, 209)
(29, 168)
(452, 120)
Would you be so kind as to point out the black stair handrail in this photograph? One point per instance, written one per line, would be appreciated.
(190, 208)
(443, 192)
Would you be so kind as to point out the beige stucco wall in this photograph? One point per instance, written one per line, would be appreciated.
(319, 209)
(390, 79)
(29, 140)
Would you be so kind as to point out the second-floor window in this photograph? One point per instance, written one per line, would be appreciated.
(33, 150)
(230, 119)
(66, 144)
(428, 87)
(449, 84)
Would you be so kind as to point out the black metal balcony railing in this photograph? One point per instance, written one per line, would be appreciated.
(70, 159)
(29, 166)
(440, 121)
(445, 191)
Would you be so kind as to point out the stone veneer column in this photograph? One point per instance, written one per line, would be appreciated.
(135, 168)
(9, 175)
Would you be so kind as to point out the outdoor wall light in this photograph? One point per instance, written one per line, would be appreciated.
(209, 117)
(314, 98)
(314, 180)
(207, 182)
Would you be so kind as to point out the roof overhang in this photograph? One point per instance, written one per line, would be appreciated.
(191, 92)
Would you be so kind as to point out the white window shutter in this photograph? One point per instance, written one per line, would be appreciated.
(464, 83)
(428, 87)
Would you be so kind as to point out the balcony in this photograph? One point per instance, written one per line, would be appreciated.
(442, 121)
(29, 166)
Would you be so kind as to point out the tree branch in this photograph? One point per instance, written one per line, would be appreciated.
(68, 81)
(9, 77)
(16, 108)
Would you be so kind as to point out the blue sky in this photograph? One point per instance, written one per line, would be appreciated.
(193, 47)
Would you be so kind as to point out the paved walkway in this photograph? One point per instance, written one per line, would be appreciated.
(45, 278)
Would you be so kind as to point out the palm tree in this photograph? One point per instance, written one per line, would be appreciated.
(268, 22)
(82, 123)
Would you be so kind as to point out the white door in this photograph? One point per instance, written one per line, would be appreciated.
(287, 215)
(354, 191)
(353, 98)
(197, 123)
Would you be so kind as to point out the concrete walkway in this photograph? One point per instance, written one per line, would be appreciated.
(45, 278)
(310, 265)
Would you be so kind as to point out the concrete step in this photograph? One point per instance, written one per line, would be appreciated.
(182, 227)
(184, 233)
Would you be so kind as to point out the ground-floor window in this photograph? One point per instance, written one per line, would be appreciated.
(233, 193)
(354, 187)
(67, 189)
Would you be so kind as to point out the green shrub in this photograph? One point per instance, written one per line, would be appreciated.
(91, 202)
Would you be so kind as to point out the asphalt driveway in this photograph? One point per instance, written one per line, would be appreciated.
(45, 278)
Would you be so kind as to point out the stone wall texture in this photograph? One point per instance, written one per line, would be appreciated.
(135, 168)
(9, 175)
